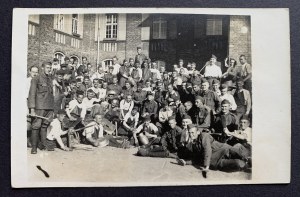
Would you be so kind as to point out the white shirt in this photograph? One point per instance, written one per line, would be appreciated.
(230, 98)
(54, 130)
(135, 118)
(151, 126)
(212, 71)
(247, 133)
(75, 103)
(97, 76)
(158, 75)
(186, 72)
(116, 69)
(124, 105)
(88, 132)
(88, 103)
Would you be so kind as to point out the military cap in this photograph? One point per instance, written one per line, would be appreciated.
(185, 116)
(197, 82)
(213, 56)
(188, 85)
(240, 80)
(111, 92)
(80, 92)
(203, 80)
(90, 91)
(73, 81)
(78, 80)
(225, 101)
(150, 93)
(172, 118)
(63, 65)
(223, 86)
(55, 60)
(60, 72)
(190, 126)
(199, 98)
(215, 81)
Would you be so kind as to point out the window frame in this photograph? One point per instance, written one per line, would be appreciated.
(75, 22)
(59, 22)
(217, 29)
(111, 27)
(162, 30)
(60, 58)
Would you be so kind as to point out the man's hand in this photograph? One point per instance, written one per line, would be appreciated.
(72, 118)
(71, 130)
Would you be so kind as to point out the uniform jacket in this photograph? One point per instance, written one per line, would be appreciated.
(41, 92)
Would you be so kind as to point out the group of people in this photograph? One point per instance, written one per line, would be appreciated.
(199, 117)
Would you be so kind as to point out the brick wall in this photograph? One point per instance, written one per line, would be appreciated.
(133, 34)
(239, 39)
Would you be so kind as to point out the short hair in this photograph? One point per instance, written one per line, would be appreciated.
(34, 66)
(90, 91)
(114, 57)
(96, 79)
(243, 56)
(188, 102)
(84, 58)
(46, 63)
(131, 59)
(80, 92)
(86, 77)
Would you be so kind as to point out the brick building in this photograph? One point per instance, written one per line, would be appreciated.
(163, 37)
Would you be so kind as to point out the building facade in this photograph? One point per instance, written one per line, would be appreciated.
(164, 38)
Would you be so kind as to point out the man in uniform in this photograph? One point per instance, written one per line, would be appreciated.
(139, 96)
(150, 107)
(203, 114)
(204, 150)
(41, 102)
(108, 77)
(114, 86)
(242, 99)
(140, 57)
(211, 99)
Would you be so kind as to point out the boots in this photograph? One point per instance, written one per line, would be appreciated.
(34, 140)
(43, 137)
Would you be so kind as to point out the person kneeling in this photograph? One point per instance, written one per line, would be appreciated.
(94, 135)
(55, 132)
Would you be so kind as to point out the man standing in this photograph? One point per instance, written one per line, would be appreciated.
(140, 57)
(211, 99)
(212, 70)
(41, 102)
(242, 99)
(246, 73)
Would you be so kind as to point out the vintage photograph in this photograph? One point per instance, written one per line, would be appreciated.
(137, 97)
(149, 97)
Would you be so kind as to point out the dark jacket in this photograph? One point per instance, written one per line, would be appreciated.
(41, 92)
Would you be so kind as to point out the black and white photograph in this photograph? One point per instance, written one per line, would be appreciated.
(139, 98)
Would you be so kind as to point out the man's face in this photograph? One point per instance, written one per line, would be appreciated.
(170, 88)
(187, 106)
(127, 85)
(131, 62)
(193, 66)
(47, 69)
(114, 103)
(198, 103)
(34, 72)
(162, 69)
(196, 88)
(224, 91)
(193, 133)
(242, 60)
(166, 75)
(84, 61)
(205, 86)
(133, 112)
(174, 74)
(59, 78)
(172, 123)
(67, 62)
(232, 62)
(240, 85)
(98, 119)
(147, 122)
(114, 60)
(212, 60)
(175, 66)
(90, 95)
(244, 124)
(181, 71)
(72, 85)
(86, 81)
(139, 88)
(80, 98)
(96, 83)
(104, 85)
(216, 86)
(79, 83)
(150, 97)
(67, 77)
(75, 62)
(89, 67)
(185, 122)
(180, 63)
(139, 51)
(129, 98)
(225, 108)
(115, 80)
(148, 84)
(60, 117)
(159, 86)
(154, 65)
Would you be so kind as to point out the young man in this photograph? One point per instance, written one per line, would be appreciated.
(77, 110)
(139, 96)
(212, 70)
(115, 86)
(204, 150)
(163, 116)
(136, 73)
(211, 99)
(159, 95)
(130, 123)
(59, 90)
(190, 110)
(109, 76)
(55, 131)
(185, 70)
(150, 107)
(125, 71)
(242, 99)
(82, 67)
(94, 135)
(246, 73)
(41, 102)
(140, 57)
(225, 95)
(91, 103)
(203, 114)
(146, 132)
(127, 90)
(169, 143)
(216, 87)
(126, 105)
(172, 95)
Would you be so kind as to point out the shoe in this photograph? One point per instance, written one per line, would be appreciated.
(34, 150)
(181, 162)
(125, 144)
(143, 152)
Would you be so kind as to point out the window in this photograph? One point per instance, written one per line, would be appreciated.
(75, 42)
(214, 27)
(59, 22)
(31, 29)
(110, 46)
(60, 56)
(106, 63)
(111, 25)
(75, 23)
(60, 38)
(74, 57)
(159, 30)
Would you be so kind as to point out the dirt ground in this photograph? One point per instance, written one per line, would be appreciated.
(116, 165)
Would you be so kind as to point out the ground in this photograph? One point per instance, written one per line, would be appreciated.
(116, 165)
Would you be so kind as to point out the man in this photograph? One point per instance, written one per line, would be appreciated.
(242, 99)
(125, 71)
(159, 94)
(136, 73)
(82, 67)
(140, 57)
(186, 93)
(127, 90)
(224, 121)
(77, 109)
(212, 70)
(211, 99)
(129, 124)
(163, 116)
(192, 68)
(41, 102)
(169, 143)
(190, 110)
(172, 95)
(216, 87)
(176, 80)
(185, 70)
(98, 75)
(59, 90)
(55, 66)
(115, 65)
(139, 96)
(91, 103)
(114, 86)
(204, 150)
(202, 115)
(55, 131)
(195, 77)
(225, 95)
(126, 105)
(150, 107)
(94, 135)
(114, 113)
(146, 132)
(241, 139)
(246, 73)
(108, 77)
(96, 89)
